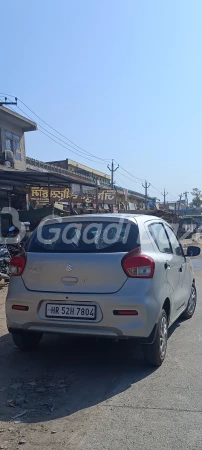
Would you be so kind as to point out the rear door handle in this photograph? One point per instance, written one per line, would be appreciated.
(167, 266)
(181, 268)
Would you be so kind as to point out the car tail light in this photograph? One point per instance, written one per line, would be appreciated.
(137, 265)
(17, 265)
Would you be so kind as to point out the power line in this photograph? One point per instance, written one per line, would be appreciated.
(159, 190)
(85, 157)
(140, 179)
(79, 151)
(43, 132)
(78, 154)
(122, 183)
(134, 181)
(64, 146)
(156, 189)
(136, 178)
(69, 146)
(171, 195)
(54, 129)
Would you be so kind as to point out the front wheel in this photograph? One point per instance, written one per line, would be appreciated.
(155, 353)
(191, 306)
(26, 340)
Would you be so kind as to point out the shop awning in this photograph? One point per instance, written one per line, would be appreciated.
(32, 178)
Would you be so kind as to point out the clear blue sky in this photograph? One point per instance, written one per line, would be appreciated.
(122, 79)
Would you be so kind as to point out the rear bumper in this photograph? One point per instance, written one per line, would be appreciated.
(106, 324)
(98, 333)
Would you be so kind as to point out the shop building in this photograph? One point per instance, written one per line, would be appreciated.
(77, 168)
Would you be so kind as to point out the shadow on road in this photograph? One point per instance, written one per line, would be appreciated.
(65, 375)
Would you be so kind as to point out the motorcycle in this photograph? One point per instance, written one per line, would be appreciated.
(5, 258)
(8, 250)
(16, 246)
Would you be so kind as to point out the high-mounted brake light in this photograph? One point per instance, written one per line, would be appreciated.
(137, 265)
(17, 265)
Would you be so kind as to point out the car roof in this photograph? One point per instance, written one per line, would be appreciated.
(116, 216)
(138, 218)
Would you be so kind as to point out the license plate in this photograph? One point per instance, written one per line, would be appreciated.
(81, 312)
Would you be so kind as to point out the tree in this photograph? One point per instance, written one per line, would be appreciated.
(197, 198)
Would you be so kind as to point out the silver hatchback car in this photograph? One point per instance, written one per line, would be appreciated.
(115, 275)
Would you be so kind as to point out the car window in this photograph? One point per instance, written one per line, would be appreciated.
(160, 237)
(84, 237)
(175, 244)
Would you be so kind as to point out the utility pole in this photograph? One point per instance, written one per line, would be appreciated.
(8, 103)
(146, 187)
(112, 170)
(96, 196)
(164, 196)
(186, 199)
(179, 203)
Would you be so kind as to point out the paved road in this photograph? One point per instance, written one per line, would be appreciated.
(197, 264)
(80, 394)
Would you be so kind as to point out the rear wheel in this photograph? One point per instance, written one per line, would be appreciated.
(191, 306)
(26, 340)
(155, 353)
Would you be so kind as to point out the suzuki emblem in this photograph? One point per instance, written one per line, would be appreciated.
(69, 267)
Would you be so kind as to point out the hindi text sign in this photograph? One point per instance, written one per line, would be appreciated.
(107, 197)
(40, 194)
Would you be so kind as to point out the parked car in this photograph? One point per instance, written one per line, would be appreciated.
(118, 276)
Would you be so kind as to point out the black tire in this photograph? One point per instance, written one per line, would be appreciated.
(26, 340)
(155, 353)
(191, 306)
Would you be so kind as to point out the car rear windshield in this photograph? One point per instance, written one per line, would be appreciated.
(84, 237)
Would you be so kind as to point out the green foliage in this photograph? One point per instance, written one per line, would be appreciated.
(197, 198)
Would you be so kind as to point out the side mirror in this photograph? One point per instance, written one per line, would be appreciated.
(193, 251)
